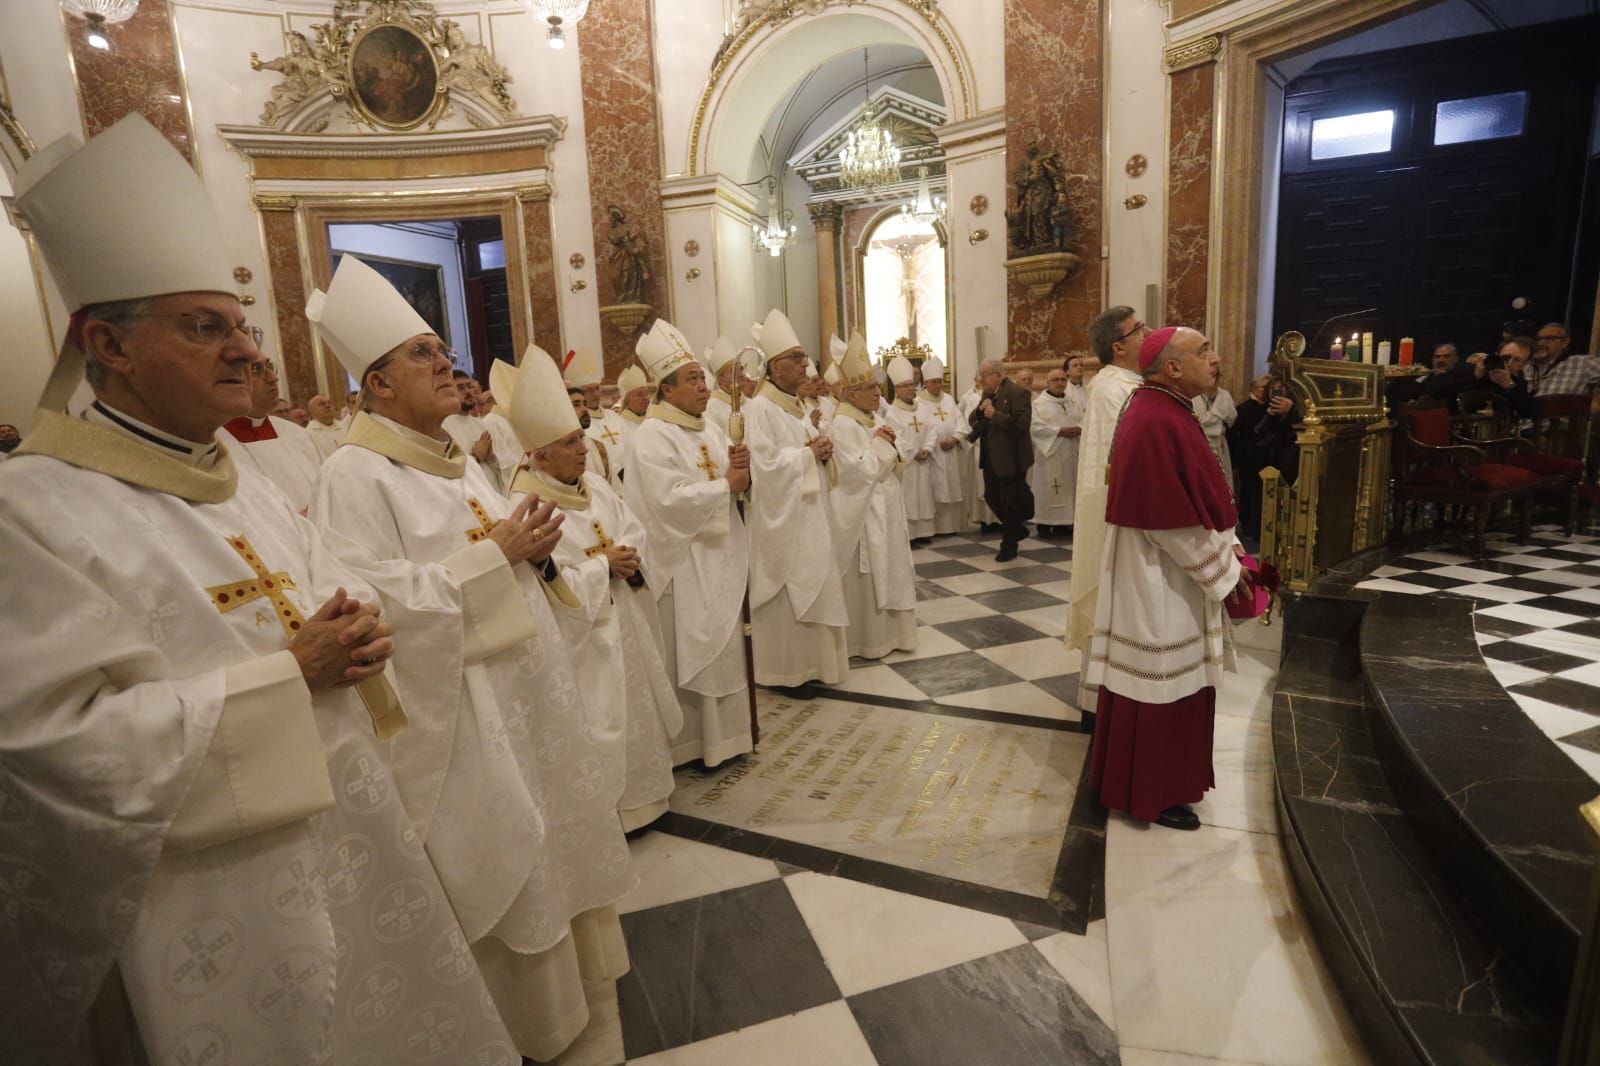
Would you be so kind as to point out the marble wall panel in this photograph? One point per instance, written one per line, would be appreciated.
(623, 141)
(296, 355)
(140, 72)
(1055, 87)
(855, 224)
(540, 265)
(1191, 117)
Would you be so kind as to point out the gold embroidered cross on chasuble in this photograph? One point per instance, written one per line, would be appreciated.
(265, 584)
(485, 524)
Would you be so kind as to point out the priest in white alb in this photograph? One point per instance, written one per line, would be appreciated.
(948, 432)
(1057, 424)
(978, 511)
(472, 437)
(916, 444)
(871, 545)
(191, 752)
(507, 449)
(277, 448)
(796, 596)
(684, 487)
(326, 432)
(635, 391)
(828, 399)
(614, 635)
(403, 507)
(586, 370)
(1114, 335)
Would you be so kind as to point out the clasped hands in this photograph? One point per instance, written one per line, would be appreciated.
(343, 644)
(821, 447)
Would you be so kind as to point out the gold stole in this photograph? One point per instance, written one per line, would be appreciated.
(675, 416)
(367, 432)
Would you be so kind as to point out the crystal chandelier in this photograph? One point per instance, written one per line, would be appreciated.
(925, 210)
(869, 159)
(558, 13)
(773, 236)
(100, 14)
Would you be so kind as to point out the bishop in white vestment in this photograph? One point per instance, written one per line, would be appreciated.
(275, 447)
(796, 597)
(472, 437)
(614, 635)
(636, 390)
(192, 748)
(684, 486)
(325, 430)
(1057, 424)
(722, 358)
(915, 441)
(870, 540)
(423, 523)
(948, 433)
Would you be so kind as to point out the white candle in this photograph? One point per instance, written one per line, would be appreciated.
(1384, 352)
(1368, 353)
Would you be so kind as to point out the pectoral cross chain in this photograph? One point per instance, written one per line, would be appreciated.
(706, 464)
(601, 541)
(485, 524)
(263, 584)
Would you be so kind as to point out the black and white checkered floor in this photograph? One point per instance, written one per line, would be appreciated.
(742, 956)
(1538, 624)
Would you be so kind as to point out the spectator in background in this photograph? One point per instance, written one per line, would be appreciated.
(1503, 375)
(9, 438)
(1450, 377)
(1556, 371)
(1261, 436)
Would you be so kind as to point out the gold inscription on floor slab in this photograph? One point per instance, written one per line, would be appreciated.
(976, 801)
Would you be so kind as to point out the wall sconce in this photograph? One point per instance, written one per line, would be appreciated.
(692, 273)
(578, 285)
(1136, 201)
(977, 235)
(246, 300)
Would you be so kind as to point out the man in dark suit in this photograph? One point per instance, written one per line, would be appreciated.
(1000, 423)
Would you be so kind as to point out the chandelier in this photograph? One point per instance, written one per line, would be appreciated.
(773, 236)
(869, 159)
(100, 14)
(558, 13)
(924, 210)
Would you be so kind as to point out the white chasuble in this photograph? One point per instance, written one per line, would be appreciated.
(796, 597)
(699, 564)
(466, 431)
(607, 431)
(1055, 458)
(971, 472)
(175, 796)
(1105, 398)
(1159, 628)
(947, 424)
(414, 523)
(913, 435)
(508, 452)
(871, 545)
(615, 639)
(289, 457)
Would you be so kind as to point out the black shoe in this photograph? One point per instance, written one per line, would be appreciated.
(1179, 817)
(1007, 553)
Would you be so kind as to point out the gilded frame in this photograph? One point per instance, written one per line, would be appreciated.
(359, 102)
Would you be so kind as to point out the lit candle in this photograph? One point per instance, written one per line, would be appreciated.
(1385, 353)
(1407, 347)
(1352, 351)
(1368, 352)
(1337, 351)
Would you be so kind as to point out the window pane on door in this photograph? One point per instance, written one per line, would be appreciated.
(1364, 133)
(1479, 118)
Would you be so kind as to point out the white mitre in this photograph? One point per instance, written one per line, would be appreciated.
(932, 368)
(664, 350)
(584, 367)
(157, 235)
(720, 354)
(502, 382)
(855, 365)
(811, 369)
(361, 316)
(831, 375)
(537, 404)
(630, 379)
(836, 348)
(901, 372)
(775, 335)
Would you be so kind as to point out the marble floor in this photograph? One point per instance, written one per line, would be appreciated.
(758, 944)
(1538, 624)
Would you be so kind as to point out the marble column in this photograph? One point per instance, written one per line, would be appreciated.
(1191, 95)
(139, 72)
(296, 354)
(1054, 93)
(624, 146)
(826, 218)
(851, 230)
(539, 267)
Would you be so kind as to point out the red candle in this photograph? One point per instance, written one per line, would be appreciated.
(1406, 347)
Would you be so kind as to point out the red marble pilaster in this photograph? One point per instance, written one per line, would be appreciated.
(1054, 92)
(1192, 114)
(538, 253)
(138, 73)
(854, 226)
(624, 148)
(295, 351)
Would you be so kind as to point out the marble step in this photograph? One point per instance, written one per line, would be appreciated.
(1425, 980)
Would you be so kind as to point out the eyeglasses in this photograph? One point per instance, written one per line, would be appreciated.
(213, 331)
(262, 369)
(1138, 327)
(423, 352)
(1552, 336)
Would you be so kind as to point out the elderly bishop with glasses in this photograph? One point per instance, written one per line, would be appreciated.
(283, 452)
(193, 704)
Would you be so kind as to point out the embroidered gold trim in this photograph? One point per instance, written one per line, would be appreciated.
(1213, 557)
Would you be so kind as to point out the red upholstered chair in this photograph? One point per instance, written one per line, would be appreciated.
(1564, 439)
(1434, 467)
(1488, 421)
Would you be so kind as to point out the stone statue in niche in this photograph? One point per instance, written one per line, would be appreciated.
(1040, 220)
(630, 258)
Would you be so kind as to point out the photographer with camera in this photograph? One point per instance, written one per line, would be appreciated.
(1502, 373)
(1263, 436)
